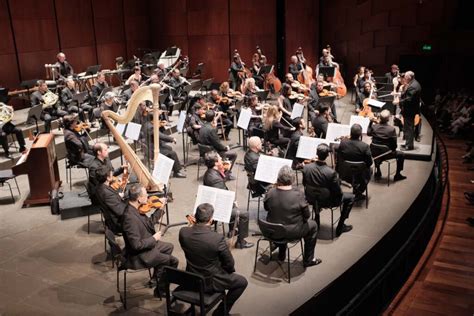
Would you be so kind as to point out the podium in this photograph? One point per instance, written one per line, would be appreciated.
(41, 166)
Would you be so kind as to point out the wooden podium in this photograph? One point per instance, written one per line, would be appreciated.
(41, 165)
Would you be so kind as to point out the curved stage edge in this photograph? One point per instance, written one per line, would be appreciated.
(370, 284)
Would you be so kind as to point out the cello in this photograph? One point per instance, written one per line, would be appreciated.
(270, 82)
(306, 75)
(341, 88)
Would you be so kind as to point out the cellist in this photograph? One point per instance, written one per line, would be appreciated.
(236, 68)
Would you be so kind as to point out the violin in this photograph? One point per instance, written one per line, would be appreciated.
(226, 165)
(153, 202)
(366, 109)
(81, 126)
(120, 184)
(326, 93)
(191, 219)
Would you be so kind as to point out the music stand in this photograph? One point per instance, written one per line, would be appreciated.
(198, 71)
(262, 95)
(171, 51)
(4, 95)
(28, 84)
(102, 94)
(206, 84)
(326, 101)
(35, 114)
(327, 71)
(79, 97)
(264, 70)
(92, 70)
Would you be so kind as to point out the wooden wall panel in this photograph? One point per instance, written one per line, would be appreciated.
(211, 51)
(208, 17)
(9, 75)
(137, 17)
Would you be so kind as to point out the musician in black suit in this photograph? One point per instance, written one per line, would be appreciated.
(394, 72)
(354, 149)
(215, 177)
(195, 121)
(251, 161)
(64, 67)
(314, 101)
(287, 205)
(207, 254)
(112, 200)
(70, 105)
(236, 67)
(143, 245)
(320, 122)
(410, 105)
(208, 136)
(295, 68)
(323, 189)
(127, 94)
(77, 146)
(99, 86)
(384, 134)
(101, 153)
(49, 112)
(7, 129)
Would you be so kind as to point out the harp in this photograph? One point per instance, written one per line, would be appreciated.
(150, 93)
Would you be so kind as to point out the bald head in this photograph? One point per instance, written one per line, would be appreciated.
(384, 116)
(255, 143)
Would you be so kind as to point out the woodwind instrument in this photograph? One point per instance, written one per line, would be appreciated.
(142, 94)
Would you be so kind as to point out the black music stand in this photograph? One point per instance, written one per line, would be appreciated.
(262, 95)
(168, 225)
(206, 84)
(327, 71)
(102, 94)
(79, 97)
(28, 84)
(326, 101)
(35, 114)
(265, 70)
(92, 70)
(171, 51)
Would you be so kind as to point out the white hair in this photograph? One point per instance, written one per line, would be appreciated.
(410, 74)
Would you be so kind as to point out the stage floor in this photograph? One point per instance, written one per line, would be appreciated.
(49, 266)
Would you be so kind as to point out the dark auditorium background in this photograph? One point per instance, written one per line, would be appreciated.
(375, 33)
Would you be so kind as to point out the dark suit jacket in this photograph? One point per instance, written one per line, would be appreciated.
(321, 184)
(251, 161)
(383, 134)
(287, 207)
(66, 96)
(354, 150)
(97, 89)
(140, 245)
(320, 124)
(410, 100)
(74, 145)
(208, 136)
(207, 254)
(213, 178)
(294, 69)
(36, 98)
(96, 164)
(115, 206)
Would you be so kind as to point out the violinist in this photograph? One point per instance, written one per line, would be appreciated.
(99, 86)
(359, 76)
(394, 73)
(236, 68)
(112, 201)
(317, 92)
(224, 106)
(208, 136)
(256, 66)
(143, 245)
(216, 177)
(256, 118)
(196, 121)
(101, 153)
(275, 129)
(284, 103)
(77, 146)
(295, 67)
(300, 125)
(367, 92)
(295, 84)
(137, 76)
(320, 122)
(367, 78)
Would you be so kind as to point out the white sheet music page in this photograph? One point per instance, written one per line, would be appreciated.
(120, 128)
(268, 168)
(162, 169)
(307, 147)
(133, 131)
(244, 118)
(222, 200)
(181, 119)
(362, 121)
(336, 131)
(376, 103)
(297, 110)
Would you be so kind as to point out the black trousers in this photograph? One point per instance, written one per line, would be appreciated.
(235, 285)
(243, 225)
(347, 201)
(399, 156)
(310, 236)
(162, 259)
(232, 156)
(409, 130)
(7, 129)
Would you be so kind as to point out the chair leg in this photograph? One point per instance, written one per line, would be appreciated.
(199, 163)
(256, 255)
(367, 197)
(17, 187)
(388, 177)
(11, 192)
(289, 269)
(258, 208)
(125, 289)
(70, 179)
(248, 201)
(88, 221)
(332, 224)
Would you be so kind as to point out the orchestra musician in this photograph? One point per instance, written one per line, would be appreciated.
(367, 92)
(357, 78)
(112, 199)
(143, 245)
(323, 189)
(107, 104)
(70, 105)
(354, 149)
(287, 206)
(50, 111)
(256, 118)
(225, 108)
(256, 66)
(77, 145)
(134, 85)
(284, 102)
(300, 125)
(275, 129)
(251, 161)
(385, 134)
(236, 68)
(8, 128)
(176, 83)
(295, 67)
(137, 76)
(64, 67)
(208, 255)
(101, 154)
(215, 177)
(321, 121)
(367, 78)
(394, 73)
(208, 136)
(161, 71)
(315, 93)
(410, 105)
(99, 85)
(327, 56)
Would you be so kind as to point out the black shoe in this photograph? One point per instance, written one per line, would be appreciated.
(359, 197)
(311, 263)
(343, 229)
(418, 139)
(406, 148)
(179, 174)
(399, 177)
(243, 244)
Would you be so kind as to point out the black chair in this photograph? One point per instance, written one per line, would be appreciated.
(203, 149)
(5, 176)
(70, 164)
(349, 170)
(252, 193)
(191, 289)
(317, 208)
(379, 153)
(122, 265)
(275, 234)
(94, 208)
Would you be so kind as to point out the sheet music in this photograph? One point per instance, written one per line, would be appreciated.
(133, 131)
(162, 169)
(376, 103)
(307, 146)
(362, 121)
(181, 119)
(297, 110)
(244, 118)
(120, 128)
(222, 200)
(268, 168)
(336, 131)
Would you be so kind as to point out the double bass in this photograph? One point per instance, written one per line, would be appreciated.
(271, 82)
(341, 88)
(306, 75)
